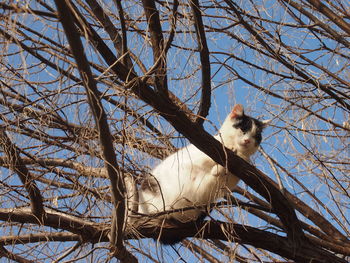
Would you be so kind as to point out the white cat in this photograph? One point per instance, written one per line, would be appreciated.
(190, 178)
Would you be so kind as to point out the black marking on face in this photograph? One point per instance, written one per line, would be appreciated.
(259, 128)
(245, 124)
(258, 137)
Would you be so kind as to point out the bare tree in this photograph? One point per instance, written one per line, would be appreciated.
(94, 93)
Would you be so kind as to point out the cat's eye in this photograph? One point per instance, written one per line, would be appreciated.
(244, 124)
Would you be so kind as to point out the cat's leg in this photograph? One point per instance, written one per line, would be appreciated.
(218, 170)
(132, 195)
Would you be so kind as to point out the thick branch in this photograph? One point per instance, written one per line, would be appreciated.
(42, 237)
(205, 62)
(120, 42)
(331, 15)
(246, 235)
(86, 229)
(124, 44)
(12, 256)
(97, 232)
(15, 162)
(157, 40)
(100, 117)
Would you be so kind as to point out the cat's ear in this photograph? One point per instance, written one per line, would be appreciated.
(266, 123)
(237, 111)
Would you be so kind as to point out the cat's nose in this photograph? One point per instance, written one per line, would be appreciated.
(246, 141)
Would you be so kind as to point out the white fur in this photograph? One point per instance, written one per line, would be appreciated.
(190, 178)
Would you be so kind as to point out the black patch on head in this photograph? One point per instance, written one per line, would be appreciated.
(245, 124)
(259, 129)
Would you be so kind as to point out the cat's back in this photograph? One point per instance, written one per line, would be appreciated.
(182, 162)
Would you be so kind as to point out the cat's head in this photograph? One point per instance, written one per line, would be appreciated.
(242, 133)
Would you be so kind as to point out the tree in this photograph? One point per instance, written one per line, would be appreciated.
(94, 93)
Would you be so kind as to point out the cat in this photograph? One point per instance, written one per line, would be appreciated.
(190, 178)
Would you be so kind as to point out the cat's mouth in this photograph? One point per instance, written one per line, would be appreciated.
(246, 147)
(245, 144)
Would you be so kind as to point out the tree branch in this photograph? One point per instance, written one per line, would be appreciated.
(242, 234)
(205, 62)
(12, 256)
(117, 184)
(87, 230)
(157, 40)
(331, 15)
(20, 9)
(33, 238)
(15, 162)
